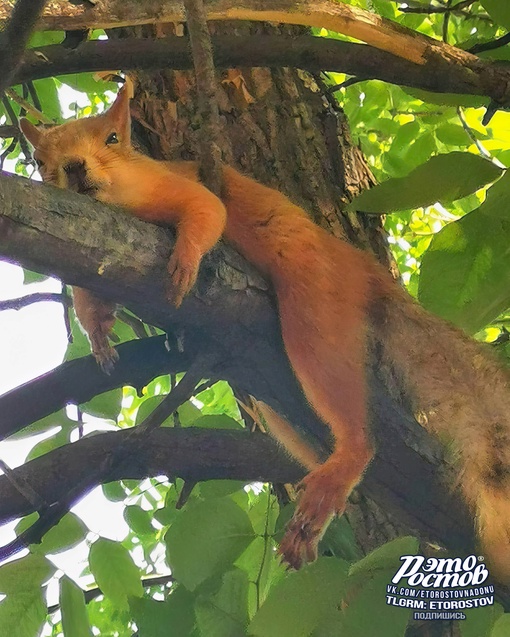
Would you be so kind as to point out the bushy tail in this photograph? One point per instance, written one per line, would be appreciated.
(464, 395)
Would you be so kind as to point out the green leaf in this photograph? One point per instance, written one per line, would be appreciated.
(386, 556)
(499, 11)
(75, 621)
(58, 419)
(464, 273)
(453, 135)
(501, 627)
(59, 439)
(148, 406)
(86, 83)
(139, 520)
(214, 421)
(480, 622)
(27, 573)
(220, 488)
(206, 539)
(48, 96)
(225, 614)
(114, 491)
(364, 601)
(188, 413)
(298, 604)
(442, 178)
(340, 541)
(33, 277)
(69, 532)
(23, 614)
(174, 616)
(114, 571)
(448, 99)
(44, 38)
(106, 405)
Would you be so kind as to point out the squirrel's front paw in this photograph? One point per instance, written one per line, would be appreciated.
(183, 269)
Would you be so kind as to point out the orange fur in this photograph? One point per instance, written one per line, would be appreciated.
(326, 290)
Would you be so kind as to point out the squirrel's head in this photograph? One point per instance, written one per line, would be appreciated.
(77, 155)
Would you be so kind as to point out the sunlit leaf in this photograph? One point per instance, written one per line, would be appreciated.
(443, 178)
(465, 272)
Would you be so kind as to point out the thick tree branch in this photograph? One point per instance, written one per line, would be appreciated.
(306, 52)
(82, 238)
(191, 454)
(15, 35)
(342, 18)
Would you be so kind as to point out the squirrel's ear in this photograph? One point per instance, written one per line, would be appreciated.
(31, 132)
(118, 114)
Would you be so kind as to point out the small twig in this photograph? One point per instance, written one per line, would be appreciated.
(21, 484)
(34, 95)
(211, 171)
(92, 593)
(15, 36)
(430, 9)
(346, 83)
(491, 45)
(10, 131)
(177, 396)
(68, 304)
(19, 138)
(185, 493)
(481, 149)
(41, 117)
(37, 297)
(6, 152)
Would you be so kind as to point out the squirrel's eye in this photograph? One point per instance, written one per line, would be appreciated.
(39, 162)
(112, 139)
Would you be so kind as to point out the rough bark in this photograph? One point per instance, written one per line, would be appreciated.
(306, 52)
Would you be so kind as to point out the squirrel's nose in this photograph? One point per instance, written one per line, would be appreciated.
(76, 173)
(74, 166)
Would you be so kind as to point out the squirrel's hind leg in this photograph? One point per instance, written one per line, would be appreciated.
(330, 365)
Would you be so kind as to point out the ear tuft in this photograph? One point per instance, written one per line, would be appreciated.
(31, 132)
(118, 114)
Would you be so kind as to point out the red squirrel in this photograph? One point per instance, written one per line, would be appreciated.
(326, 290)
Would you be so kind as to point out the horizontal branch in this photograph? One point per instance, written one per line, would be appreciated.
(306, 52)
(188, 453)
(70, 236)
(37, 297)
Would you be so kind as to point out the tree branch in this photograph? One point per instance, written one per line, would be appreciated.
(306, 52)
(30, 299)
(14, 38)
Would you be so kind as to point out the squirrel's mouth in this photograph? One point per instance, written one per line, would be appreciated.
(89, 190)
